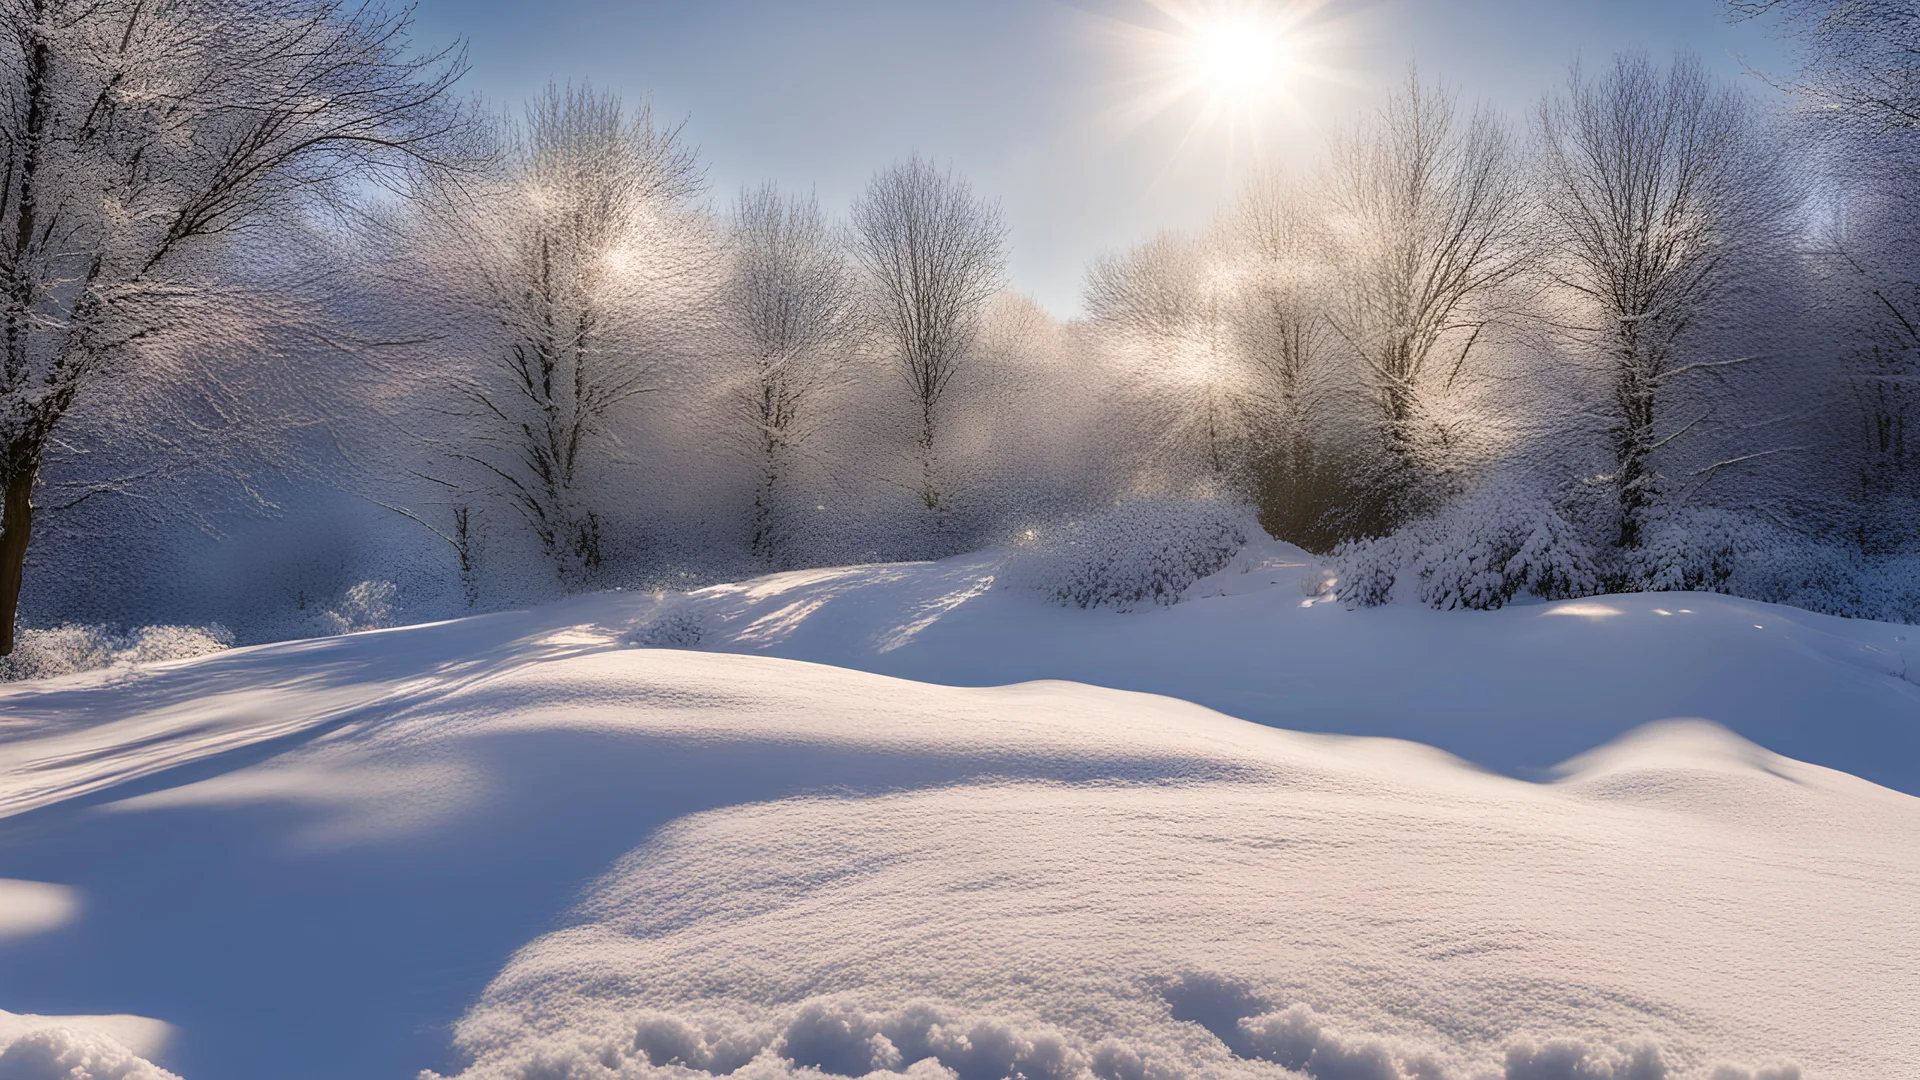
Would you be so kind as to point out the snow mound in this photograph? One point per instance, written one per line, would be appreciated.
(1341, 909)
(65, 1053)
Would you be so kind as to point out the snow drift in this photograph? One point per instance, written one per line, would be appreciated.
(522, 846)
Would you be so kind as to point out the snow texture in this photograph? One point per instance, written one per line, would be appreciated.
(314, 858)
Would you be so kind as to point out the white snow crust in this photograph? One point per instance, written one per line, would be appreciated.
(527, 846)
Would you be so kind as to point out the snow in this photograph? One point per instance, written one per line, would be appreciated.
(867, 824)
(81, 1047)
(1516, 690)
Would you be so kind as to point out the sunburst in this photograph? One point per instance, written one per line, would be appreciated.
(1234, 66)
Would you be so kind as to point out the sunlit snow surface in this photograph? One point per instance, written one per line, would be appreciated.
(520, 846)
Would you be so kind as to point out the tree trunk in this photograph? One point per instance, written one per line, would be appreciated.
(1636, 396)
(16, 527)
(766, 546)
(929, 486)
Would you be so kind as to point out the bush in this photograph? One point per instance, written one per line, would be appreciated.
(1691, 551)
(1149, 551)
(1479, 553)
(1488, 548)
(64, 650)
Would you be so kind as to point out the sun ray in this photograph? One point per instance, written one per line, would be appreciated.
(1235, 66)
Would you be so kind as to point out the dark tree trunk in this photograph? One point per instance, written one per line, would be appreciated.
(16, 527)
(929, 485)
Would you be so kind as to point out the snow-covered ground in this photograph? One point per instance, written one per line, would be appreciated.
(525, 845)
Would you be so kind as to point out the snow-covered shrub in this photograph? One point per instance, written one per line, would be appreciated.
(1371, 570)
(1825, 576)
(152, 644)
(61, 650)
(64, 650)
(1689, 551)
(367, 606)
(1319, 581)
(1148, 551)
(1478, 553)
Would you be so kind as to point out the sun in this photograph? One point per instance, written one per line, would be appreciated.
(1239, 57)
(1234, 67)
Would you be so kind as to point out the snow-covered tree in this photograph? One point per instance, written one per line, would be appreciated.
(1665, 195)
(575, 266)
(143, 139)
(1276, 238)
(1870, 292)
(1860, 59)
(934, 254)
(790, 301)
(1428, 211)
(1164, 312)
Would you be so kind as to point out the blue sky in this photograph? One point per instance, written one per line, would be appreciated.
(1022, 96)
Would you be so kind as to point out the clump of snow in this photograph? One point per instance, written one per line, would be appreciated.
(64, 1053)
(1299, 1040)
(1479, 553)
(832, 1036)
(1572, 1059)
(1147, 551)
(65, 650)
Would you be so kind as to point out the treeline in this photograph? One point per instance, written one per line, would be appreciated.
(258, 255)
(1656, 336)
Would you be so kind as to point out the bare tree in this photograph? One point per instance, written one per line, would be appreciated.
(1664, 194)
(934, 254)
(570, 262)
(1868, 281)
(1164, 310)
(1860, 59)
(1428, 212)
(790, 298)
(1278, 241)
(141, 139)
